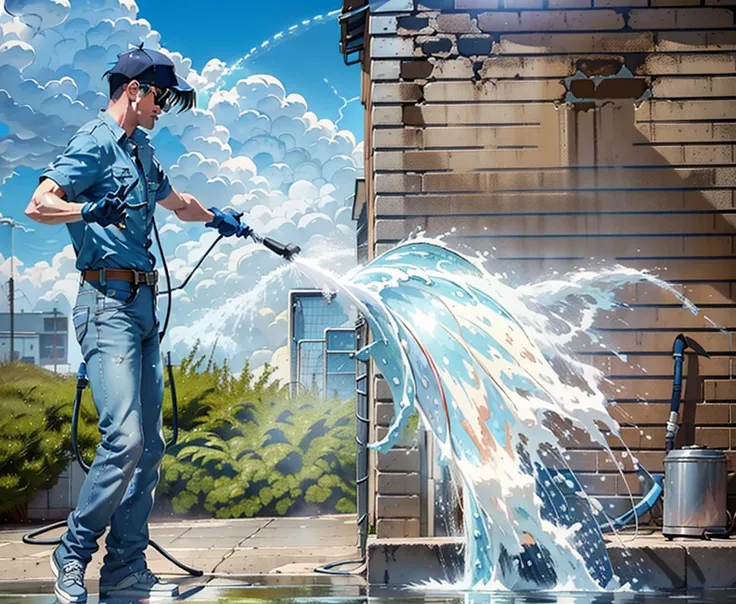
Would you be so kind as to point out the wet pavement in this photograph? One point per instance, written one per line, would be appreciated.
(274, 560)
(338, 590)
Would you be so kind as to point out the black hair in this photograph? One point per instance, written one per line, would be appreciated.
(183, 100)
(117, 83)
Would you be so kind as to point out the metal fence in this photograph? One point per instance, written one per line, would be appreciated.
(319, 345)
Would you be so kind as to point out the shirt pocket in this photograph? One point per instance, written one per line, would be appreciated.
(123, 176)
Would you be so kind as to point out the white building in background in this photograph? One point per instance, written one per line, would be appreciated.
(40, 338)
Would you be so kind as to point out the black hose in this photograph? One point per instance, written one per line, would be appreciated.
(725, 533)
(678, 353)
(162, 334)
(174, 404)
(327, 569)
(82, 381)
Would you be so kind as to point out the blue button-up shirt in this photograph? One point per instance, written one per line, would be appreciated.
(98, 159)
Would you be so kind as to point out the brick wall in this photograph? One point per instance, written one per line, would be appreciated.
(551, 132)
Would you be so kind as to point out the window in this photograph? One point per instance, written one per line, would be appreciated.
(61, 324)
(46, 347)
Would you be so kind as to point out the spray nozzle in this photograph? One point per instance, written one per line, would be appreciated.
(285, 250)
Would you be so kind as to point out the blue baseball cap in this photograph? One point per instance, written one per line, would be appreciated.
(149, 66)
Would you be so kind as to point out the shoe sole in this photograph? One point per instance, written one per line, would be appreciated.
(124, 593)
(62, 596)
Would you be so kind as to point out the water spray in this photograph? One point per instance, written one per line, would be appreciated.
(269, 43)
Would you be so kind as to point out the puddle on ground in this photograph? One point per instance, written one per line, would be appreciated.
(351, 592)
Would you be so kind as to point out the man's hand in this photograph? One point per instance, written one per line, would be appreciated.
(227, 223)
(108, 210)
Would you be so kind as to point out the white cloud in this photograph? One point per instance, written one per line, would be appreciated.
(251, 145)
(39, 14)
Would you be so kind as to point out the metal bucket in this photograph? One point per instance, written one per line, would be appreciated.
(695, 492)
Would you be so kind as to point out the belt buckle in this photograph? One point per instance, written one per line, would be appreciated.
(149, 278)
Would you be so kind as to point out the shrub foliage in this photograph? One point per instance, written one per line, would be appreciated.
(245, 447)
(35, 431)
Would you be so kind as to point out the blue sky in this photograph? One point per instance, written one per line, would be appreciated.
(230, 31)
(227, 33)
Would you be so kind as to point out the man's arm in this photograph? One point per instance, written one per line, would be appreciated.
(48, 205)
(186, 207)
(70, 175)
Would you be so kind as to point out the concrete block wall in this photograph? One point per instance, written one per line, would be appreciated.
(56, 503)
(555, 132)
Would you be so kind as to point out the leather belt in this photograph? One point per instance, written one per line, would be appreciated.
(130, 275)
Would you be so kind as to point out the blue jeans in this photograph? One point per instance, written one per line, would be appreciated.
(117, 328)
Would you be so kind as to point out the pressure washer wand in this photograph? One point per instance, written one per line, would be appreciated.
(285, 250)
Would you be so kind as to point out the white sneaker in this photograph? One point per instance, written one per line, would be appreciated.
(141, 584)
(69, 585)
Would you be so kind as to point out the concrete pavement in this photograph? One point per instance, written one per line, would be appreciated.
(288, 550)
(232, 550)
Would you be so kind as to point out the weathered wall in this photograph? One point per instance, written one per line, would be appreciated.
(474, 123)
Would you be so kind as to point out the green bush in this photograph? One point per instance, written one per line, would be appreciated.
(35, 431)
(247, 448)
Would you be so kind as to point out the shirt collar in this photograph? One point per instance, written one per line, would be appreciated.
(138, 135)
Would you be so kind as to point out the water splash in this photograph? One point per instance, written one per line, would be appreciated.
(489, 368)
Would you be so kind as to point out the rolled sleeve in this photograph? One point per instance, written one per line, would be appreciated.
(78, 168)
(164, 186)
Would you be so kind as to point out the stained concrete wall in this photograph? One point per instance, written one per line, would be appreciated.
(551, 132)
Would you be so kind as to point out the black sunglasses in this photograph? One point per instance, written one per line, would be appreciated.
(162, 98)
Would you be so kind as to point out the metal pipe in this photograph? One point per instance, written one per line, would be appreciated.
(11, 285)
(361, 438)
(11, 288)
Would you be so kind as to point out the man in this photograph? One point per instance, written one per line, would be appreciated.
(105, 187)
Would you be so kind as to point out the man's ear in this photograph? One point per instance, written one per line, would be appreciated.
(132, 89)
